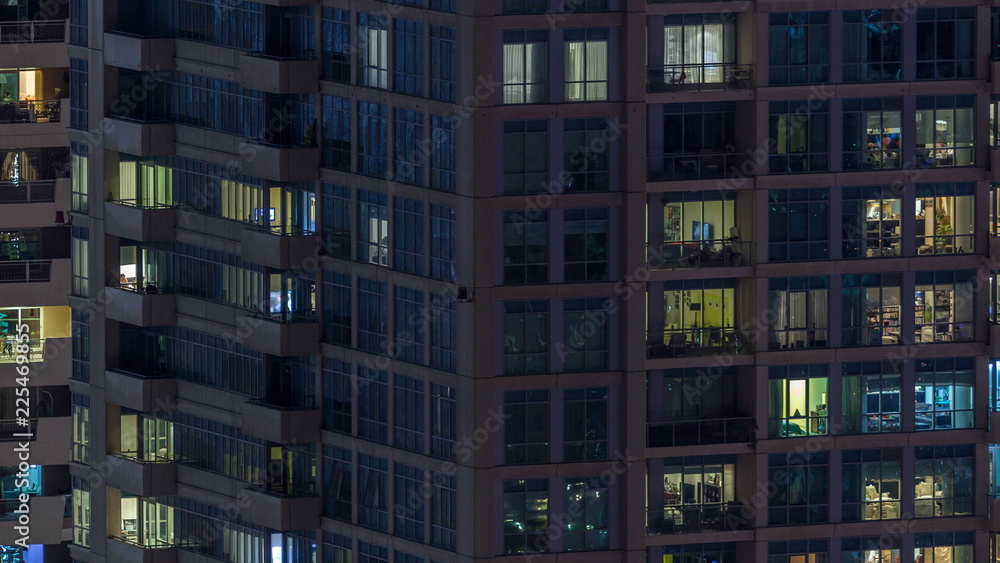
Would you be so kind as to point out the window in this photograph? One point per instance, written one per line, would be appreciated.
(945, 131)
(871, 309)
(585, 244)
(944, 302)
(871, 548)
(409, 325)
(945, 222)
(79, 92)
(696, 491)
(407, 558)
(443, 5)
(373, 404)
(81, 512)
(373, 228)
(373, 51)
(81, 346)
(715, 552)
(798, 551)
(698, 140)
(525, 6)
(81, 261)
(694, 406)
(409, 517)
(797, 401)
(410, 154)
(444, 334)
(698, 230)
(79, 176)
(338, 395)
(801, 312)
(337, 548)
(586, 154)
(444, 410)
(443, 63)
(369, 553)
(337, 495)
(799, 48)
(946, 43)
(336, 308)
(944, 547)
(586, 60)
(873, 45)
(409, 415)
(586, 503)
(525, 156)
(945, 481)
(698, 48)
(443, 517)
(525, 247)
(872, 397)
(372, 492)
(698, 318)
(372, 157)
(78, 22)
(872, 484)
(81, 428)
(872, 220)
(525, 516)
(585, 424)
(408, 238)
(443, 243)
(585, 344)
(872, 133)
(798, 225)
(443, 153)
(336, 44)
(408, 77)
(944, 394)
(802, 492)
(525, 67)
(526, 337)
(526, 431)
(337, 132)
(801, 136)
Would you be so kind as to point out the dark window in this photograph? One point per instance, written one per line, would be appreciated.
(873, 45)
(372, 149)
(525, 247)
(78, 94)
(338, 395)
(586, 154)
(443, 65)
(336, 44)
(525, 156)
(585, 322)
(336, 308)
(800, 132)
(798, 225)
(799, 47)
(526, 337)
(409, 326)
(372, 493)
(802, 491)
(526, 430)
(409, 505)
(585, 244)
(336, 136)
(585, 424)
(946, 43)
(408, 236)
(373, 404)
(337, 494)
(408, 75)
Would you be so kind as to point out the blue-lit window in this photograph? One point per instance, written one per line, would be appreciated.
(410, 157)
(799, 47)
(373, 315)
(336, 44)
(336, 308)
(373, 51)
(408, 77)
(408, 236)
(443, 333)
(443, 153)
(443, 243)
(373, 395)
(338, 395)
(408, 405)
(443, 65)
(409, 327)
(336, 135)
(410, 508)
(373, 228)
(372, 149)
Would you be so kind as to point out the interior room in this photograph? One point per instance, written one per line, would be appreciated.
(42, 323)
(698, 318)
(883, 141)
(944, 402)
(21, 245)
(944, 137)
(699, 233)
(944, 225)
(146, 522)
(31, 94)
(872, 403)
(802, 318)
(871, 316)
(943, 312)
(798, 407)
(883, 224)
(695, 495)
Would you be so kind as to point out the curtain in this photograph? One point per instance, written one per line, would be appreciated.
(597, 70)
(535, 71)
(852, 401)
(513, 72)
(576, 70)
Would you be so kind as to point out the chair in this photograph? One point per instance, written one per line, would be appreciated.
(678, 345)
(680, 79)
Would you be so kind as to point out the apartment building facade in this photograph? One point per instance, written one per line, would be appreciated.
(569, 280)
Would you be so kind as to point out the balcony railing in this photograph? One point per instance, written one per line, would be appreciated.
(9, 354)
(695, 342)
(35, 191)
(25, 271)
(700, 432)
(688, 518)
(46, 31)
(720, 253)
(700, 77)
(30, 111)
(10, 427)
(706, 165)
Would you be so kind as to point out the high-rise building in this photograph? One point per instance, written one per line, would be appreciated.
(35, 317)
(563, 280)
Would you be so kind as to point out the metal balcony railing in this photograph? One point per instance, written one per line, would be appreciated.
(30, 111)
(720, 253)
(707, 164)
(46, 31)
(23, 191)
(699, 432)
(693, 518)
(700, 77)
(9, 354)
(695, 342)
(26, 271)
(10, 427)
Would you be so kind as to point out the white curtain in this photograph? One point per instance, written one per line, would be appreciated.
(513, 73)
(576, 70)
(695, 48)
(536, 72)
(597, 70)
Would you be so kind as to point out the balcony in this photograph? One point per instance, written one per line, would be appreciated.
(36, 191)
(278, 250)
(687, 518)
(124, 550)
(48, 514)
(696, 342)
(53, 368)
(280, 163)
(140, 138)
(289, 161)
(282, 513)
(721, 253)
(140, 393)
(34, 43)
(708, 164)
(31, 111)
(699, 77)
(297, 337)
(136, 52)
(48, 446)
(278, 75)
(280, 424)
(700, 432)
(9, 354)
(141, 309)
(37, 123)
(140, 223)
(145, 478)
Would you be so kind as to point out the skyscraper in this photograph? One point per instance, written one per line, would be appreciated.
(574, 280)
